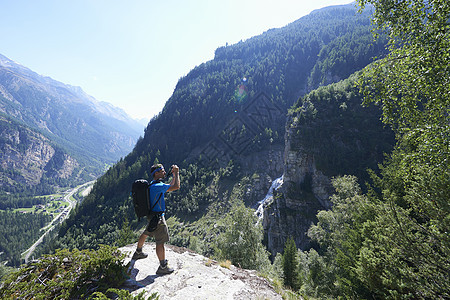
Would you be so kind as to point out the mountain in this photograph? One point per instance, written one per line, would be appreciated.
(30, 158)
(225, 126)
(81, 129)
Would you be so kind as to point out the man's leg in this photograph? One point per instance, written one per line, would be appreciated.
(138, 254)
(161, 237)
(141, 241)
(163, 268)
(160, 251)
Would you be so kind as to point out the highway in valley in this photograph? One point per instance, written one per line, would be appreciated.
(58, 218)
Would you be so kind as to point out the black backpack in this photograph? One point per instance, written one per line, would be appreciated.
(141, 197)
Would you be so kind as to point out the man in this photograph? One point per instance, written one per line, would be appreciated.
(161, 233)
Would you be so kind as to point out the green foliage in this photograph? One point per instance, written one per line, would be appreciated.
(393, 243)
(67, 275)
(317, 275)
(290, 264)
(126, 234)
(4, 271)
(345, 55)
(18, 231)
(413, 89)
(344, 136)
(341, 231)
(123, 295)
(241, 242)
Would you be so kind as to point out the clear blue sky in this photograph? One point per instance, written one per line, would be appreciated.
(132, 53)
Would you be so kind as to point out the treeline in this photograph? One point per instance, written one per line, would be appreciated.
(18, 231)
(13, 201)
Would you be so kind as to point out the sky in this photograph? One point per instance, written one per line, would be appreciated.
(132, 53)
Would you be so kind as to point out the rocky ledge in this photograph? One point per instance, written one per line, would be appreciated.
(195, 277)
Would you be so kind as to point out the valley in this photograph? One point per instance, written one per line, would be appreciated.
(59, 207)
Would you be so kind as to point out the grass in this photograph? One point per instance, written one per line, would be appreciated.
(209, 262)
(55, 204)
(225, 264)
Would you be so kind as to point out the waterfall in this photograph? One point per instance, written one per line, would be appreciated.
(269, 197)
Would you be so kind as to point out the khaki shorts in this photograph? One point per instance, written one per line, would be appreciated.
(161, 233)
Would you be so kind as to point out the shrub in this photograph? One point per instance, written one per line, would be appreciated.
(66, 275)
(242, 240)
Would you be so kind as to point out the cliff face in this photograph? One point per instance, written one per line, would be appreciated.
(27, 155)
(328, 133)
(305, 191)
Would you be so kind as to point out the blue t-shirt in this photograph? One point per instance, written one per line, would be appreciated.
(156, 190)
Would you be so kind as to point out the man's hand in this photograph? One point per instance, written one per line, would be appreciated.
(175, 169)
(175, 184)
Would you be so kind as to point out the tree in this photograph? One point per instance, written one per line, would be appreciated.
(412, 85)
(126, 234)
(290, 264)
(342, 233)
(242, 240)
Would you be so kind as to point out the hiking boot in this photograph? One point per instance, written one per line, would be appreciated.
(139, 255)
(164, 269)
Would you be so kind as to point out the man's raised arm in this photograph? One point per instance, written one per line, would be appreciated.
(175, 184)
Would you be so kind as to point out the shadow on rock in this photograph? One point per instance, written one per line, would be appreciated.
(131, 283)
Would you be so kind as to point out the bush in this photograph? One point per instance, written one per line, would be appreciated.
(66, 275)
(242, 240)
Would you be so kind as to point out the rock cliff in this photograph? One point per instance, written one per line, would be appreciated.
(305, 190)
(195, 277)
(28, 155)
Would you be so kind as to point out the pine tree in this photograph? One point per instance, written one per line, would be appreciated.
(126, 234)
(290, 264)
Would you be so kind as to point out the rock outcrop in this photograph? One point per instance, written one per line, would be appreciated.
(305, 191)
(195, 277)
(28, 155)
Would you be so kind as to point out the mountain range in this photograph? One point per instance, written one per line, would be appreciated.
(55, 134)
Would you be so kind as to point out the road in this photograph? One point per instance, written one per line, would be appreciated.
(57, 219)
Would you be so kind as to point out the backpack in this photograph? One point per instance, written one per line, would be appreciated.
(141, 197)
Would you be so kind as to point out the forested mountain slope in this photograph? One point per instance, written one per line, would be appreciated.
(386, 240)
(326, 46)
(225, 125)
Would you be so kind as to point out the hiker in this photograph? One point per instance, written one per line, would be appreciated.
(161, 233)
